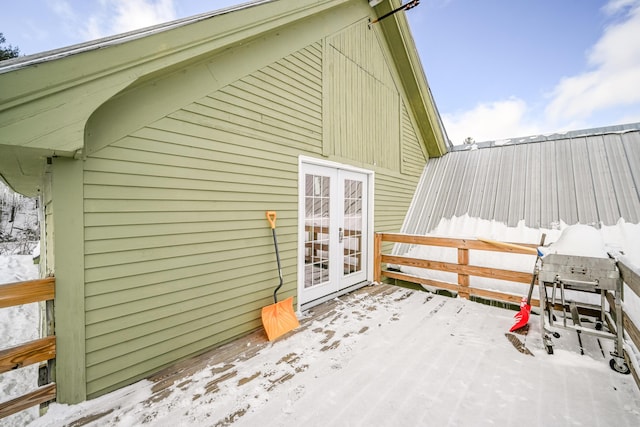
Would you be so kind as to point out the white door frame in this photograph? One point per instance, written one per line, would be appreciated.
(305, 160)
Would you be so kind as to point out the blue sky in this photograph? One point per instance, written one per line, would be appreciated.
(497, 68)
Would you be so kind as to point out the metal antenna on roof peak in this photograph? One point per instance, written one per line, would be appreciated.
(406, 6)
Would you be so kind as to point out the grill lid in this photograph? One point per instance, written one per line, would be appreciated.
(580, 271)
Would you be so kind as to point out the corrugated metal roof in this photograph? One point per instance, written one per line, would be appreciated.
(590, 177)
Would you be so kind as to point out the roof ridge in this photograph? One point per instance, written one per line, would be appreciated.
(555, 136)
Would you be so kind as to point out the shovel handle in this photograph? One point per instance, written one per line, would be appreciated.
(534, 278)
(271, 217)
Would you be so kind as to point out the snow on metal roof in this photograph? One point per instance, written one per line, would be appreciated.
(589, 177)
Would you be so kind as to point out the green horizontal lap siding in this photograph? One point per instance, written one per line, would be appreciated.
(393, 197)
(178, 252)
(393, 194)
(413, 158)
(393, 202)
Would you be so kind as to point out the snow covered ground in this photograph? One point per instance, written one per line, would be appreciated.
(391, 358)
(385, 356)
(19, 230)
(18, 325)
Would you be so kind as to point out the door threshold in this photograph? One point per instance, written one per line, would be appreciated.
(306, 306)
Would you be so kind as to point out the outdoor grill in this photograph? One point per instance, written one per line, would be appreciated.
(586, 275)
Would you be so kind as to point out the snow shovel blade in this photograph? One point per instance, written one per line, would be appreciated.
(279, 318)
(522, 317)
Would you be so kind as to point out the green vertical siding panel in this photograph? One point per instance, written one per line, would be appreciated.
(362, 102)
(48, 260)
(366, 121)
(179, 256)
(68, 242)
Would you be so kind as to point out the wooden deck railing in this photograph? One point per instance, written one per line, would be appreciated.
(462, 268)
(36, 351)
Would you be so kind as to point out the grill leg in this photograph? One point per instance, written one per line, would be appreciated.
(544, 306)
(617, 363)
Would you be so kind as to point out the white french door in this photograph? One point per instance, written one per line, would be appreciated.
(334, 240)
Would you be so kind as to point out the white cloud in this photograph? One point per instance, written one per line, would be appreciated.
(615, 6)
(119, 16)
(606, 93)
(62, 8)
(489, 121)
(614, 75)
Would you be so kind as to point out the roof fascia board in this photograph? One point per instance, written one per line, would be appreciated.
(46, 56)
(162, 48)
(22, 168)
(46, 105)
(150, 99)
(403, 49)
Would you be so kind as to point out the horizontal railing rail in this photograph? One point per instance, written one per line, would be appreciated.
(462, 268)
(29, 353)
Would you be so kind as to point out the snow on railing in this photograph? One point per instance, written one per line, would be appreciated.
(36, 351)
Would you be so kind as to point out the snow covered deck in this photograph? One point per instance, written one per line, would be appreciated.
(380, 356)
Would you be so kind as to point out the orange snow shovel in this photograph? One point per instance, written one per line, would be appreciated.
(522, 317)
(278, 318)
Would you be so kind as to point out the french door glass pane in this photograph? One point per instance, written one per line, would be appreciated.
(317, 231)
(352, 226)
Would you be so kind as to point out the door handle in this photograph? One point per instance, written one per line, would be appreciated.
(340, 235)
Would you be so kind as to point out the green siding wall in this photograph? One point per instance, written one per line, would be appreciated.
(179, 255)
(413, 156)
